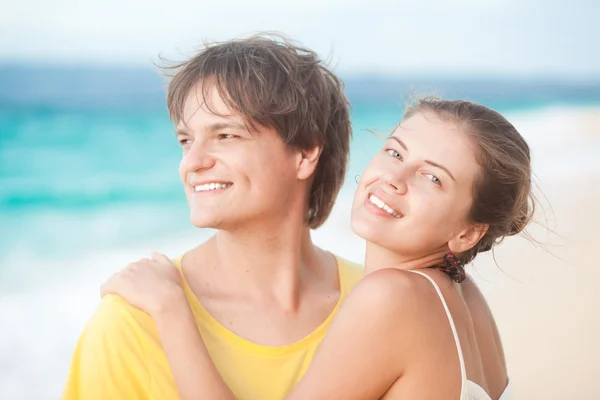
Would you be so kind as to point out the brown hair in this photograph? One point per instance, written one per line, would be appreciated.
(271, 81)
(502, 194)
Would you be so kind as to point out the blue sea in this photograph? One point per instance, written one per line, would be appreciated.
(88, 179)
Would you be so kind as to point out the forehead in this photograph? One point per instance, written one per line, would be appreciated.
(427, 137)
(422, 128)
(205, 110)
(204, 102)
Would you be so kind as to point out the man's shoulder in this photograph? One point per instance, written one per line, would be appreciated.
(110, 359)
(115, 316)
(350, 271)
(117, 322)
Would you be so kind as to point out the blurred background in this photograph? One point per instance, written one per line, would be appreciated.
(88, 160)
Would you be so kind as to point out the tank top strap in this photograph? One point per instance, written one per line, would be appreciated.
(463, 372)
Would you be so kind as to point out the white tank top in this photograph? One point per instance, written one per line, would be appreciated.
(469, 389)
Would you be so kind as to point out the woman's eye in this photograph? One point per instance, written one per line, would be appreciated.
(434, 179)
(393, 153)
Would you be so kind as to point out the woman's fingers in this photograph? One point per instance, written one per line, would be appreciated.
(108, 287)
(159, 257)
(139, 274)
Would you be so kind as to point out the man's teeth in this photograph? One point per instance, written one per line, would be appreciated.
(211, 186)
(379, 203)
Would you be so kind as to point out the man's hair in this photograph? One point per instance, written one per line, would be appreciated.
(273, 82)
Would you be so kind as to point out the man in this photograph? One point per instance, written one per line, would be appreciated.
(265, 132)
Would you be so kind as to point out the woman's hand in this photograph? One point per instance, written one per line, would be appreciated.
(154, 285)
(150, 284)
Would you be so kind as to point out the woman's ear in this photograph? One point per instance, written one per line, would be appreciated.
(467, 238)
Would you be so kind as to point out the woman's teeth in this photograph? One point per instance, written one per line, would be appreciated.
(379, 203)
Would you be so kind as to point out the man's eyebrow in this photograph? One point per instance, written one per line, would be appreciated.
(215, 127)
(218, 126)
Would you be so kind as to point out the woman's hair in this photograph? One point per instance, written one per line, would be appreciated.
(502, 196)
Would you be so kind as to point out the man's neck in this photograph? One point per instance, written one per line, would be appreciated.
(266, 263)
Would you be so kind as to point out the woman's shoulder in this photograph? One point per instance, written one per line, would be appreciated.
(403, 308)
(395, 284)
(401, 293)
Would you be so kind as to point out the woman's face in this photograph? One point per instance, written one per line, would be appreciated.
(415, 195)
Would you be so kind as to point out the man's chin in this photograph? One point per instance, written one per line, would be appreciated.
(204, 223)
(212, 221)
(225, 220)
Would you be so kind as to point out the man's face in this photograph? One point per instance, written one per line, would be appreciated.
(233, 177)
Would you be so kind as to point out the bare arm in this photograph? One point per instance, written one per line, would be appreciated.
(357, 359)
(360, 356)
(392, 330)
(382, 328)
(154, 286)
(195, 375)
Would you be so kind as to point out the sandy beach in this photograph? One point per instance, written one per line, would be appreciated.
(545, 298)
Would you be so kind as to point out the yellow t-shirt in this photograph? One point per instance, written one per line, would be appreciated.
(119, 354)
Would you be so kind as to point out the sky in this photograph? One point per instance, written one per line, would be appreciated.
(460, 37)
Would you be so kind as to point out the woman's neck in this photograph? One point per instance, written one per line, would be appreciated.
(377, 258)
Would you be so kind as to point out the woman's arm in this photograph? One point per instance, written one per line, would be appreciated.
(195, 375)
(154, 286)
(362, 353)
(383, 327)
(392, 330)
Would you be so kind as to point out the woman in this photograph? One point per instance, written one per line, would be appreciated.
(451, 181)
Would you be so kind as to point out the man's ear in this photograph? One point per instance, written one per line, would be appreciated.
(307, 161)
